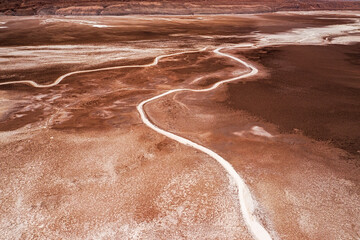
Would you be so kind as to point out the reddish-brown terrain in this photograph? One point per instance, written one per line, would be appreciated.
(78, 161)
(188, 7)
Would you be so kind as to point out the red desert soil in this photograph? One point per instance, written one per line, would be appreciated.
(314, 89)
(76, 160)
(188, 7)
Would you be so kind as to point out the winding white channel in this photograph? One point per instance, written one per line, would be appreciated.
(62, 77)
(245, 199)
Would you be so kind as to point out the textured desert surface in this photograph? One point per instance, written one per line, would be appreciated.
(166, 7)
(276, 95)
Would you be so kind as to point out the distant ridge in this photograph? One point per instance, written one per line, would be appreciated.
(171, 7)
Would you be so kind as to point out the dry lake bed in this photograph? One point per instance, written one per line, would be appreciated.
(180, 127)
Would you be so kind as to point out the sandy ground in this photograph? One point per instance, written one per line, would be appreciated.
(77, 162)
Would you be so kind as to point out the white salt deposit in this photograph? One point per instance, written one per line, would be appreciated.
(256, 130)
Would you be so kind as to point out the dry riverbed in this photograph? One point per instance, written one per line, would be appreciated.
(77, 161)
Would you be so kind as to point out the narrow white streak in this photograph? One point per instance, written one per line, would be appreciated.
(205, 36)
(59, 79)
(76, 21)
(245, 198)
(3, 23)
(197, 80)
(100, 26)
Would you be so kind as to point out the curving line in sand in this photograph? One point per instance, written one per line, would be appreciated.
(245, 199)
(62, 77)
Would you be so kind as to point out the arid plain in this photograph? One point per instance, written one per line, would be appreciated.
(79, 161)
